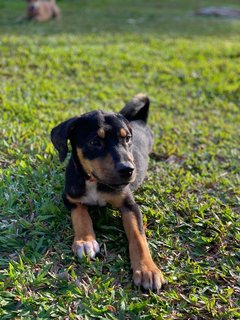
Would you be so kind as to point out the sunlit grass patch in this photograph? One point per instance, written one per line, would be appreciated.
(190, 199)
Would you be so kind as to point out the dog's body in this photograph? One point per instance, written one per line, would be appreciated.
(109, 159)
(41, 10)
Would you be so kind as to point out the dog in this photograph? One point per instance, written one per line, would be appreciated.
(109, 159)
(41, 10)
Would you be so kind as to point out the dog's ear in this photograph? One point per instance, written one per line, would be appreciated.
(60, 135)
(137, 108)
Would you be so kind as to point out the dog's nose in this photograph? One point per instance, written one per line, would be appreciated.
(125, 169)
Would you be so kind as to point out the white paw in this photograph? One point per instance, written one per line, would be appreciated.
(86, 248)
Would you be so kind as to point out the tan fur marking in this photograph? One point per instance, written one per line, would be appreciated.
(82, 225)
(101, 133)
(130, 157)
(138, 247)
(103, 168)
(116, 200)
(72, 200)
(141, 261)
(122, 133)
(87, 166)
(43, 10)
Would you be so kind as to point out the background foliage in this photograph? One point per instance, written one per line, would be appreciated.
(99, 55)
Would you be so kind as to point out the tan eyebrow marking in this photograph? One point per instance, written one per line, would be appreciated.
(101, 133)
(122, 133)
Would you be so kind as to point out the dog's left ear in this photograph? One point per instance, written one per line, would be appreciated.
(60, 135)
(137, 108)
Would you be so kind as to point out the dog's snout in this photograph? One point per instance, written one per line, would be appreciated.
(125, 169)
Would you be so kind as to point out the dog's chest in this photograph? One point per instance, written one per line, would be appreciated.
(92, 196)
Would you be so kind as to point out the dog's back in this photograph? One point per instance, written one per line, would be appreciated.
(49, 9)
(136, 112)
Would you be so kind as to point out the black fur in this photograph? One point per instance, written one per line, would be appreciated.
(60, 135)
(82, 133)
(137, 109)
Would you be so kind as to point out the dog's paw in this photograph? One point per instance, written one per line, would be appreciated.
(149, 277)
(86, 248)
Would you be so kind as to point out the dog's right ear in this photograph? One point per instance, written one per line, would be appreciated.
(60, 135)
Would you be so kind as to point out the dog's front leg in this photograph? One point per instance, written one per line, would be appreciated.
(84, 237)
(145, 271)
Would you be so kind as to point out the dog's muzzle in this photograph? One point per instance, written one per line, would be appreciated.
(125, 170)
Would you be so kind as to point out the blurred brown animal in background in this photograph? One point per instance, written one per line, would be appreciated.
(41, 10)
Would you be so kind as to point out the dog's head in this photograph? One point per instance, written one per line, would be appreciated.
(102, 143)
(32, 5)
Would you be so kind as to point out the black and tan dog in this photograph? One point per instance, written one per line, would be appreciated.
(41, 10)
(109, 159)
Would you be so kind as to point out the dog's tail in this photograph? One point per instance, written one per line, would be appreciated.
(137, 108)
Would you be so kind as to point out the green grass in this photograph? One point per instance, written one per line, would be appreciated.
(98, 56)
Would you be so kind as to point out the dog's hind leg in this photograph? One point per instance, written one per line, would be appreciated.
(56, 13)
(84, 237)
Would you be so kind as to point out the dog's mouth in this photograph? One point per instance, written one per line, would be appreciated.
(112, 186)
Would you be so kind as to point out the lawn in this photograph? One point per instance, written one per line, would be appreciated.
(99, 55)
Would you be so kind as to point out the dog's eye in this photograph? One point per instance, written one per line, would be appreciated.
(128, 139)
(96, 142)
